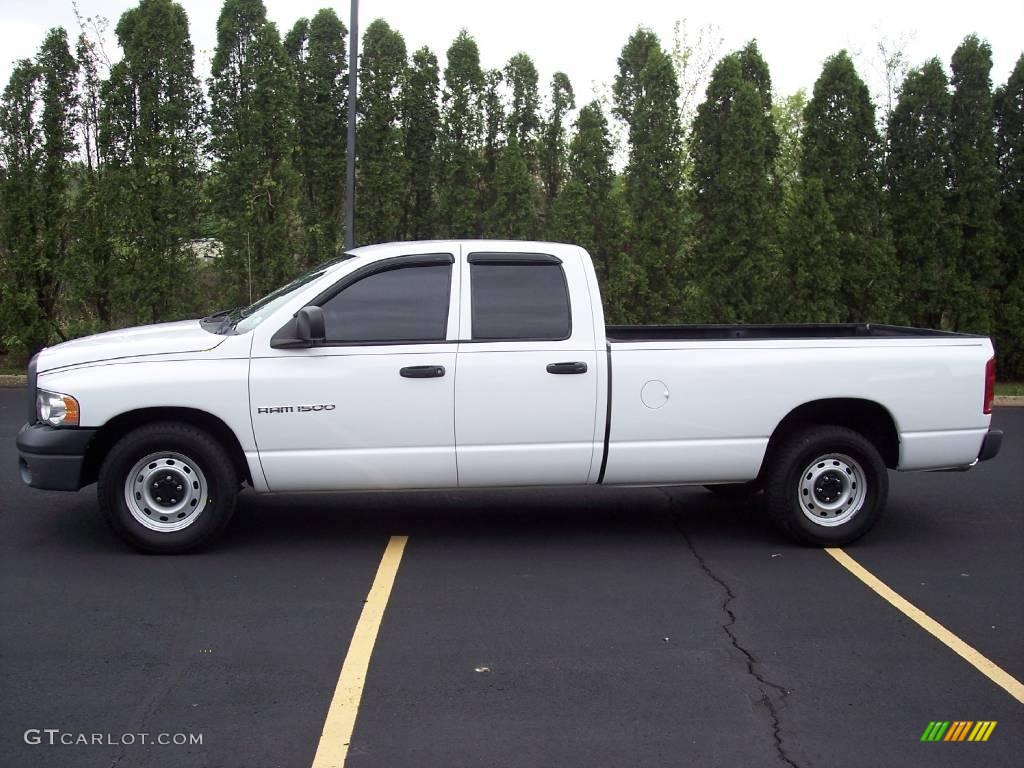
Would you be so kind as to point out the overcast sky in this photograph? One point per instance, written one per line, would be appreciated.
(583, 38)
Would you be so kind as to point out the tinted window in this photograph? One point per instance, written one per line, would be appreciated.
(520, 301)
(405, 304)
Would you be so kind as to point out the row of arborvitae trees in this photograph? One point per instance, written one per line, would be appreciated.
(754, 209)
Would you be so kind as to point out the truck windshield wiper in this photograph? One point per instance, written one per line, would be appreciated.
(221, 321)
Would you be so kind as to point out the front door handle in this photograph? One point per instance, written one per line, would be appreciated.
(422, 371)
(567, 368)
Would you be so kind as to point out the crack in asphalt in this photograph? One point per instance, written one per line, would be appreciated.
(751, 661)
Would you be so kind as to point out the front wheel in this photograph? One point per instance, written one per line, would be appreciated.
(826, 486)
(167, 487)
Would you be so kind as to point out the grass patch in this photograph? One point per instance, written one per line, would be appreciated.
(1011, 388)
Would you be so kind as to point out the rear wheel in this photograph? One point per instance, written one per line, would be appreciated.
(167, 487)
(826, 486)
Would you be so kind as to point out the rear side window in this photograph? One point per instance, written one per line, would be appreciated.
(520, 301)
(404, 304)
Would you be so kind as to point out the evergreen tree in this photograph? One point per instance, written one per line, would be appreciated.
(841, 149)
(421, 120)
(788, 117)
(152, 136)
(974, 185)
(319, 69)
(380, 170)
(254, 185)
(627, 89)
(462, 126)
(494, 127)
(37, 122)
(514, 199)
(811, 270)
(523, 119)
(755, 71)
(514, 214)
(20, 202)
(589, 213)
(646, 98)
(733, 150)
(553, 149)
(925, 242)
(59, 124)
(1010, 148)
(92, 246)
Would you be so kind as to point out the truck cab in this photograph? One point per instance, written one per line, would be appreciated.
(440, 365)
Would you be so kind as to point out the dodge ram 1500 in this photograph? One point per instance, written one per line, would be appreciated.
(488, 363)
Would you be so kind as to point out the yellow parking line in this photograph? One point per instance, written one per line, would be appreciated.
(984, 665)
(341, 716)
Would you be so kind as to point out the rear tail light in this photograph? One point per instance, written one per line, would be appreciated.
(990, 385)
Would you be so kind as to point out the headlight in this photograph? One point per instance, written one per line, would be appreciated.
(56, 409)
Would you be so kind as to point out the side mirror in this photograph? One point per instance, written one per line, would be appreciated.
(304, 330)
(309, 325)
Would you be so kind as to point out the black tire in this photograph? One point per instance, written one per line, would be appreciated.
(212, 465)
(788, 490)
(736, 491)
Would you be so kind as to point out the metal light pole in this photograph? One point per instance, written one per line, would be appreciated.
(350, 154)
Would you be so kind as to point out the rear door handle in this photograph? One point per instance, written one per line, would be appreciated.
(567, 368)
(422, 371)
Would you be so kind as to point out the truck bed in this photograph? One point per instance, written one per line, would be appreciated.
(639, 333)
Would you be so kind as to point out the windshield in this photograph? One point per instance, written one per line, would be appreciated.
(244, 319)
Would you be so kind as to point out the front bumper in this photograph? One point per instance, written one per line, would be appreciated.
(52, 458)
(991, 444)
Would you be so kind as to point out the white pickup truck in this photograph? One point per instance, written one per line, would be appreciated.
(488, 363)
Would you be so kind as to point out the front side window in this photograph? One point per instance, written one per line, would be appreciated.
(399, 304)
(520, 301)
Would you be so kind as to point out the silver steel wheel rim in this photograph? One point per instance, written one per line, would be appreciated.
(832, 489)
(165, 491)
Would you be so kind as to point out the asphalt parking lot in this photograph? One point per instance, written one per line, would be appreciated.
(575, 627)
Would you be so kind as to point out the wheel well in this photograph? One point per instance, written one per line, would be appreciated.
(867, 417)
(124, 423)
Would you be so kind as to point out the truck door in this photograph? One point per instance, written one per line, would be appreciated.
(373, 407)
(526, 387)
